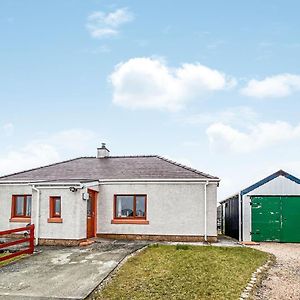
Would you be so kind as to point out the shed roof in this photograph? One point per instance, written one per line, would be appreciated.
(113, 167)
(264, 181)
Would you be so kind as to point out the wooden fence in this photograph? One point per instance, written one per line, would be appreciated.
(28, 237)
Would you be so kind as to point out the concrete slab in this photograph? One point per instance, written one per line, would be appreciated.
(63, 273)
(223, 241)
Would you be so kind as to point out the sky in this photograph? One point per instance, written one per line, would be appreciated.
(211, 84)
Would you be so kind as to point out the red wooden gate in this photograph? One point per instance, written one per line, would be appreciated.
(25, 239)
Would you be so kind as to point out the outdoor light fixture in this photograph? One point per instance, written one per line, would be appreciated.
(73, 189)
(85, 196)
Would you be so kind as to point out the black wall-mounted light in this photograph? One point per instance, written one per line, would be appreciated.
(73, 189)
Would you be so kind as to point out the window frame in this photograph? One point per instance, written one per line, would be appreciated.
(132, 219)
(54, 217)
(23, 217)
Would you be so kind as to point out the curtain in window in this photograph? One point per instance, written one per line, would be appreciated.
(124, 206)
(20, 205)
(28, 206)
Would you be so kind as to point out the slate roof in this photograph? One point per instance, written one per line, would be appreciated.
(113, 167)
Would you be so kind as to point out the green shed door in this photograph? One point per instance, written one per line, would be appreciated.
(290, 231)
(266, 215)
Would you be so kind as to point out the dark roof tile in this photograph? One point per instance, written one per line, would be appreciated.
(113, 167)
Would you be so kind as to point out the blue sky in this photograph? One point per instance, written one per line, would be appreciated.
(212, 84)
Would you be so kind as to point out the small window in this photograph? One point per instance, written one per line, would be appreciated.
(21, 206)
(55, 207)
(130, 206)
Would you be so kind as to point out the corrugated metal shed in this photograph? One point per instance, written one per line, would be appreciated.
(278, 184)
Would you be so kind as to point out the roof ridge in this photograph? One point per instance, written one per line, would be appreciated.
(37, 168)
(132, 156)
(186, 167)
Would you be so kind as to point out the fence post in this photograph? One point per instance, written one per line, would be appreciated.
(31, 236)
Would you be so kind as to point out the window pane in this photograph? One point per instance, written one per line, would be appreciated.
(140, 206)
(57, 206)
(124, 207)
(89, 207)
(19, 206)
(28, 206)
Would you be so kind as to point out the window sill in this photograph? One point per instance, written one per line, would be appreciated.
(55, 220)
(20, 220)
(129, 221)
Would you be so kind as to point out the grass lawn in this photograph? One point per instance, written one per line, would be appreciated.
(6, 262)
(165, 272)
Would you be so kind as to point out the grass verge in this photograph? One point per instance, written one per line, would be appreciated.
(175, 272)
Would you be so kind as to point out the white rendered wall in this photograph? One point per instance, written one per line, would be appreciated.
(73, 211)
(6, 192)
(172, 208)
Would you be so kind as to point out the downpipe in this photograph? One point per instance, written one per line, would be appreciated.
(205, 211)
(37, 220)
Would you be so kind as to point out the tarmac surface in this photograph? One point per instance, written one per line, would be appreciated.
(63, 272)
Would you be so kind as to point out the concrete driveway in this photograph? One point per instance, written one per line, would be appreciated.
(283, 279)
(63, 273)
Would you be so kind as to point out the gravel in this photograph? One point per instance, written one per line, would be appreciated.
(283, 279)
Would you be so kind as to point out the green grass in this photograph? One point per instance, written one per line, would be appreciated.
(184, 272)
(6, 262)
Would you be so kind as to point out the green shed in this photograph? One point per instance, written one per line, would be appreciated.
(268, 210)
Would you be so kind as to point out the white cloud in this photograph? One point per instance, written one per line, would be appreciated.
(103, 32)
(229, 115)
(278, 86)
(101, 25)
(30, 156)
(225, 137)
(8, 129)
(48, 149)
(149, 83)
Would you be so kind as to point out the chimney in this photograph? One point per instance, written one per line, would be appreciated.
(103, 151)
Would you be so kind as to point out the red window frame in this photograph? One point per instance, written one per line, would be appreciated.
(14, 207)
(52, 213)
(134, 217)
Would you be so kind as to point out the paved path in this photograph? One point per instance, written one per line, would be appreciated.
(283, 281)
(63, 273)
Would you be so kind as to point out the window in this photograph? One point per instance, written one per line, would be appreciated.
(55, 210)
(21, 208)
(131, 208)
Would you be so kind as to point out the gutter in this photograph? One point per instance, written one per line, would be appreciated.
(95, 182)
(37, 221)
(40, 183)
(159, 180)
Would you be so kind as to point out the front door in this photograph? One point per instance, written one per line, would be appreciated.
(91, 214)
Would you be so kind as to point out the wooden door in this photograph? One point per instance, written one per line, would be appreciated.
(290, 219)
(266, 218)
(91, 214)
